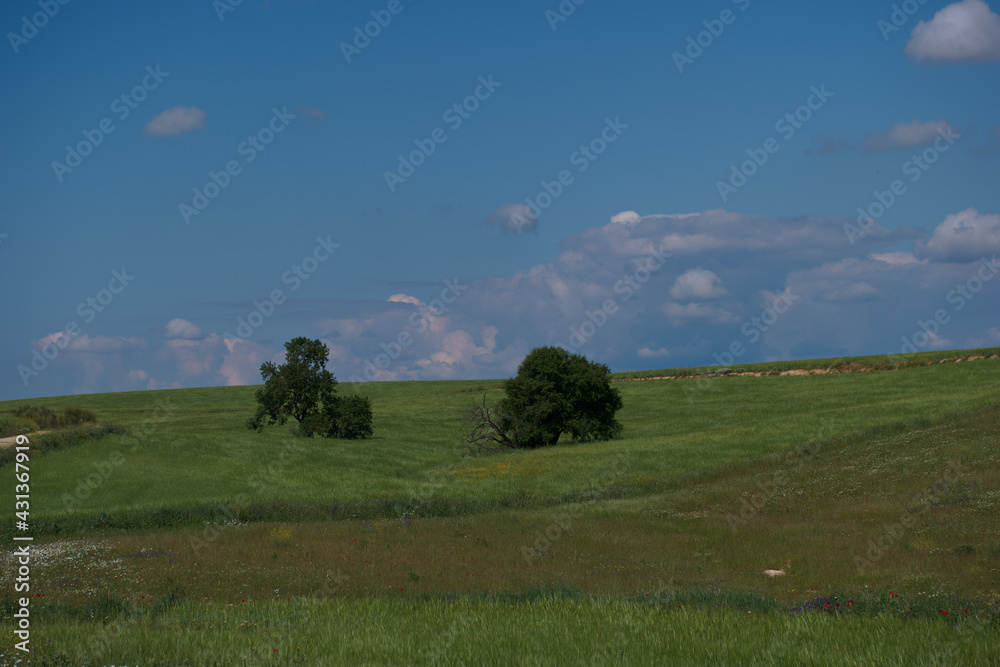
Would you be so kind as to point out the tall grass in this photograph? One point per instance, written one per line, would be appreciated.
(548, 630)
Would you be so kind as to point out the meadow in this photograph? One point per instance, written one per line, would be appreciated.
(204, 543)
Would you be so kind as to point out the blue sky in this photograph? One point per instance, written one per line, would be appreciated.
(645, 150)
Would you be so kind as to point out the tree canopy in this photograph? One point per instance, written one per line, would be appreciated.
(302, 388)
(554, 392)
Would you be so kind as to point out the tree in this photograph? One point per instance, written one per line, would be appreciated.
(554, 392)
(303, 389)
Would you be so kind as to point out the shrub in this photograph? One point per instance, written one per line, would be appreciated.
(45, 418)
(349, 417)
(74, 415)
(554, 392)
(11, 425)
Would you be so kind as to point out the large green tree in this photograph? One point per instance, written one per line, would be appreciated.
(554, 392)
(302, 388)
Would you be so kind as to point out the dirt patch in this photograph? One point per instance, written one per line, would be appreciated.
(6, 442)
(794, 372)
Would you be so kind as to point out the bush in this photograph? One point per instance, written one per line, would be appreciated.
(45, 418)
(74, 415)
(11, 425)
(41, 415)
(554, 392)
(349, 417)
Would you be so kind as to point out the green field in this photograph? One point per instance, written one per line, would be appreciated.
(211, 544)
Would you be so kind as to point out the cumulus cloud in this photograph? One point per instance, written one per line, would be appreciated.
(615, 293)
(242, 360)
(514, 218)
(906, 135)
(626, 217)
(966, 31)
(964, 236)
(175, 121)
(697, 284)
(180, 328)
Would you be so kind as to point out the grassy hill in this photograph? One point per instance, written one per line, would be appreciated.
(189, 452)
(219, 545)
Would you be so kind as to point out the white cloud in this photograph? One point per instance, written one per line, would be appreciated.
(697, 284)
(175, 121)
(964, 236)
(994, 333)
(514, 218)
(848, 299)
(85, 343)
(898, 258)
(242, 360)
(404, 298)
(936, 341)
(906, 135)
(965, 31)
(180, 328)
(626, 217)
